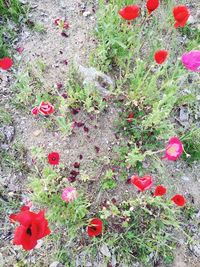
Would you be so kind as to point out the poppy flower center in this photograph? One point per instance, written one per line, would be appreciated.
(173, 150)
(28, 231)
(93, 227)
(54, 158)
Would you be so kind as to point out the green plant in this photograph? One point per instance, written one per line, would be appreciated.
(29, 85)
(39, 27)
(191, 142)
(10, 10)
(108, 183)
(46, 184)
(5, 117)
(14, 158)
(193, 36)
(86, 96)
(13, 9)
(146, 227)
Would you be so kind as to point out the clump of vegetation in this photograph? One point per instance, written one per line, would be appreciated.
(191, 143)
(143, 229)
(47, 184)
(14, 11)
(86, 96)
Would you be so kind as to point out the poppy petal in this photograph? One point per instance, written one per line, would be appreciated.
(152, 5)
(160, 56)
(95, 227)
(181, 15)
(129, 12)
(19, 235)
(179, 200)
(6, 63)
(160, 191)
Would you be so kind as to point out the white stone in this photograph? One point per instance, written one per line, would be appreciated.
(105, 251)
(86, 13)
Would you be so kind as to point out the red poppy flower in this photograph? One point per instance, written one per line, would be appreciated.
(33, 226)
(181, 14)
(54, 158)
(130, 117)
(45, 108)
(160, 191)
(179, 200)
(160, 56)
(143, 183)
(6, 63)
(95, 227)
(152, 5)
(130, 12)
(174, 149)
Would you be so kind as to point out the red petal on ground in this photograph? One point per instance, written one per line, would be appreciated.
(97, 149)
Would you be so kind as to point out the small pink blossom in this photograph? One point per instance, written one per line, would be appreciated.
(35, 111)
(191, 60)
(45, 108)
(61, 23)
(174, 149)
(69, 194)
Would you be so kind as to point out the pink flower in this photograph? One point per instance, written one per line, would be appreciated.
(69, 194)
(61, 23)
(45, 108)
(174, 149)
(191, 60)
(35, 111)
